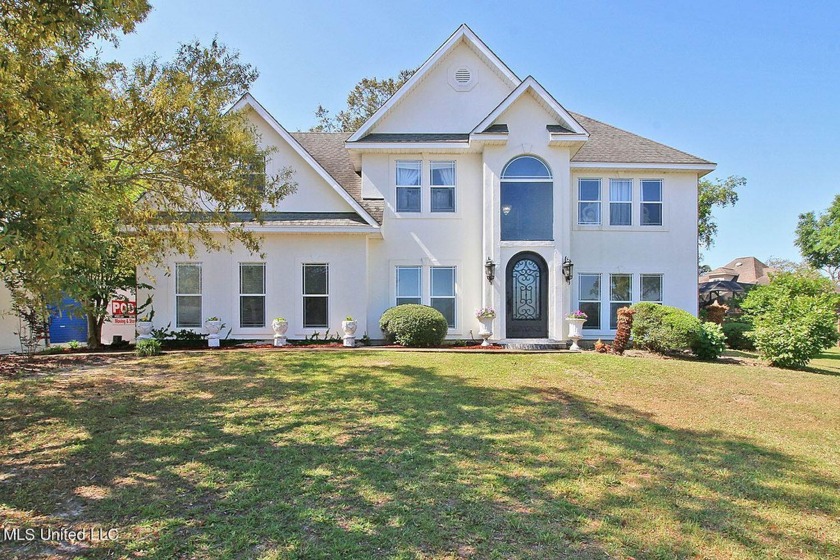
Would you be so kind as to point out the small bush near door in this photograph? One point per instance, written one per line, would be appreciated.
(413, 325)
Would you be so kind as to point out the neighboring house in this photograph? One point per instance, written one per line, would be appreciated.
(733, 278)
(467, 169)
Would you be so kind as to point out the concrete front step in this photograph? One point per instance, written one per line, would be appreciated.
(539, 344)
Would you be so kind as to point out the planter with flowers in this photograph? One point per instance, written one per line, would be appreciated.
(280, 326)
(485, 316)
(576, 321)
(144, 327)
(349, 326)
(213, 326)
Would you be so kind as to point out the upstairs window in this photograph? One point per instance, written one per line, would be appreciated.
(621, 202)
(651, 202)
(408, 185)
(255, 173)
(527, 208)
(442, 186)
(589, 201)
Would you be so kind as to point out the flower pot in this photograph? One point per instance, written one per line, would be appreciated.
(280, 328)
(486, 330)
(349, 328)
(213, 327)
(144, 330)
(575, 332)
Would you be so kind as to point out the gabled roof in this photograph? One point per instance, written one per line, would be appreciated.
(530, 85)
(248, 100)
(328, 149)
(746, 270)
(463, 33)
(608, 144)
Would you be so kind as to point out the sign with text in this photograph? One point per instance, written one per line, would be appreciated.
(122, 309)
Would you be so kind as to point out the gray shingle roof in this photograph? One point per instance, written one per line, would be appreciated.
(415, 137)
(345, 219)
(497, 128)
(328, 149)
(609, 144)
(558, 128)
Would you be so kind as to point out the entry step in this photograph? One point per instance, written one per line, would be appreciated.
(535, 344)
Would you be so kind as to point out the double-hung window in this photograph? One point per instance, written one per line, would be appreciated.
(408, 185)
(315, 295)
(188, 295)
(621, 290)
(589, 201)
(252, 295)
(651, 202)
(443, 292)
(589, 299)
(621, 202)
(442, 183)
(651, 287)
(408, 284)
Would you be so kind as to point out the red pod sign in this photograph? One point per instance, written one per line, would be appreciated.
(121, 308)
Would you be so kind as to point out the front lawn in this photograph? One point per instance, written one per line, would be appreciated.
(378, 454)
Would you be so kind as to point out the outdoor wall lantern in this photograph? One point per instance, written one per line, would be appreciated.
(490, 269)
(568, 267)
(506, 209)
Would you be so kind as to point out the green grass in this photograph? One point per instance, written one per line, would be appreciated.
(376, 454)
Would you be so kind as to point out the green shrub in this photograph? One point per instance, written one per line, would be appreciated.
(709, 343)
(736, 335)
(661, 328)
(794, 318)
(413, 325)
(150, 347)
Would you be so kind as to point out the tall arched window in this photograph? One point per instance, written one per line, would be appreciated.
(527, 210)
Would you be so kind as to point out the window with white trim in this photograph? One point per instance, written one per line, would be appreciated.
(188, 295)
(316, 295)
(408, 284)
(621, 202)
(252, 295)
(650, 287)
(408, 181)
(589, 299)
(589, 201)
(443, 292)
(651, 205)
(621, 295)
(442, 181)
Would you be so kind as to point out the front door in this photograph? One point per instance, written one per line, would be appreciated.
(526, 282)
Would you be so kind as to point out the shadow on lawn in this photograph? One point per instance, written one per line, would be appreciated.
(308, 455)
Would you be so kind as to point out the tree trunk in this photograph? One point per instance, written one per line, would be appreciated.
(94, 324)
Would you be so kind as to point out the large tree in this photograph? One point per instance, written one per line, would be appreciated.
(362, 102)
(818, 239)
(103, 167)
(711, 194)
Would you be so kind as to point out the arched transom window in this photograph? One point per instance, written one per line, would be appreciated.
(527, 211)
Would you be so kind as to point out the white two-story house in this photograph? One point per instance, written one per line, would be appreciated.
(469, 188)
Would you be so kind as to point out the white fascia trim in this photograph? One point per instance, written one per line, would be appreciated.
(249, 100)
(706, 167)
(534, 85)
(488, 137)
(463, 32)
(555, 137)
(367, 230)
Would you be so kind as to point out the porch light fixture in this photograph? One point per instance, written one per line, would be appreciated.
(568, 267)
(490, 269)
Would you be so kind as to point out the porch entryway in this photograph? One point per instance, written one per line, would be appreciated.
(526, 290)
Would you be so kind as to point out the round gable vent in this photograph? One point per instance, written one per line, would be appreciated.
(462, 78)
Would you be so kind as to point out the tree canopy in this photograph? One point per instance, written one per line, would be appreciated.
(818, 239)
(711, 194)
(362, 102)
(103, 166)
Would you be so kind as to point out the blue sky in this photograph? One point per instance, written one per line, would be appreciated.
(753, 86)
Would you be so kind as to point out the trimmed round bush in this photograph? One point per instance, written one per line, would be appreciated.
(736, 335)
(662, 329)
(710, 341)
(413, 325)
